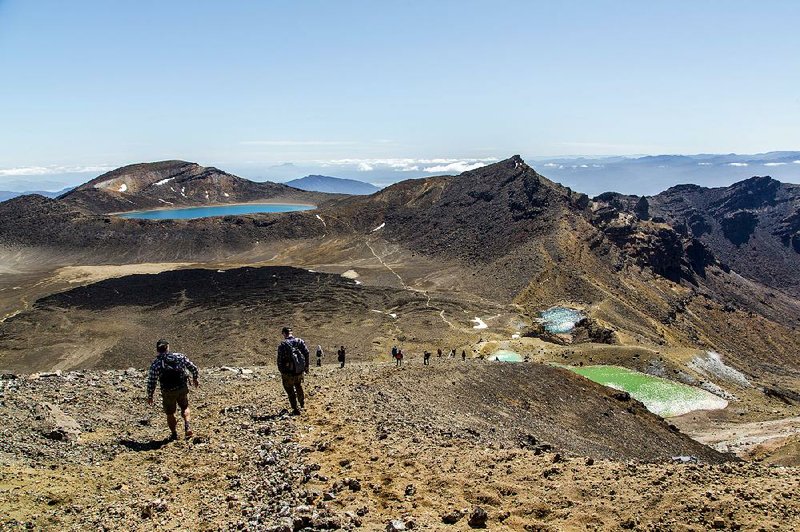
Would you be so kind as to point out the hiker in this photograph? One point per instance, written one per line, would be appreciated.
(426, 358)
(169, 369)
(399, 357)
(292, 363)
(463, 356)
(439, 353)
(394, 351)
(320, 354)
(452, 353)
(341, 355)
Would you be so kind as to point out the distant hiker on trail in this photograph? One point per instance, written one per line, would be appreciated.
(426, 358)
(439, 353)
(341, 356)
(169, 369)
(463, 355)
(452, 353)
(394, 351)
(399, 358)
(320, 354)
(292, 363)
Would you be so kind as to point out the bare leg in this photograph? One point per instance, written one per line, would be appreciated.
(172, 422)
(187, 417)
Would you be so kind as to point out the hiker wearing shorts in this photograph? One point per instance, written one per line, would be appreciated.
(426, 358)
(399, 358)
(292, 363)
(169, 369)
(341, 356)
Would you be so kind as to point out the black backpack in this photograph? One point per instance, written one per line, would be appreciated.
(172, 376)
(295, 361)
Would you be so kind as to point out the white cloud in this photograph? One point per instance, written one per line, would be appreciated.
(286, 143)
(796, 162)
(460, 166)
(49, 170)
(737, 164)
(774, 164)
(433, 165)
(550, 165)
(704, 164)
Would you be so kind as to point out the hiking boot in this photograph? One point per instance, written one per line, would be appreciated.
(173, 436)
(295, 412)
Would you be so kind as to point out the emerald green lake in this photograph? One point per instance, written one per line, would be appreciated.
(661, 396)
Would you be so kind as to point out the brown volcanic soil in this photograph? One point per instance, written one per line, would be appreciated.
(225, 316)
(420, 442)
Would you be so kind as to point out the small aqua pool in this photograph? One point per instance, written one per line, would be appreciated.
(663, 397)
(504, 355)
(558, 320)
(190, 213)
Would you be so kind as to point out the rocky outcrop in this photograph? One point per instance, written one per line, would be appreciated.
(753, 225)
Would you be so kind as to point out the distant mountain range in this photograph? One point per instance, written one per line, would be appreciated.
(8, 194)
(335, 185)
(652, 174)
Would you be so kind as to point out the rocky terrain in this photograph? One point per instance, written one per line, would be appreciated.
(168, 184)
(445, 447)
(465, 262)
(753, 226)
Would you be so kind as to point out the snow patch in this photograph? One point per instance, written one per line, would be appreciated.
(123, 187)
(379, 227)
(165, 201)
(226, 194)
(480, 324)
(357, 281)
(163, 181)
(515, 336)
(183, 191)
(321, 220)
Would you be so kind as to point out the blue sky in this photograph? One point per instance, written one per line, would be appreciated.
(252, 85)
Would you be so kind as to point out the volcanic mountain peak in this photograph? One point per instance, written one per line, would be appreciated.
(175, 183)
(135, 178)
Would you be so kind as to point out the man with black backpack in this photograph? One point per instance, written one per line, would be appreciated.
(169, 369)
(293, 361)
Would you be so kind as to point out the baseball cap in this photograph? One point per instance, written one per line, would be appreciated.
(162, 343)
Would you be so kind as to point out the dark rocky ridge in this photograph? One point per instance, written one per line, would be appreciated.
(174, 184)
(753, 225)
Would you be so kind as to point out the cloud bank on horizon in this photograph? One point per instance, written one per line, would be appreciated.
(643, 175)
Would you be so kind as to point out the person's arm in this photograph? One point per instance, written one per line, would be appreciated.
(152, 378)
(193, 370)
(306, 354)
(280, 361)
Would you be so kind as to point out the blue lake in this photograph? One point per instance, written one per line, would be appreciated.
(189, 213)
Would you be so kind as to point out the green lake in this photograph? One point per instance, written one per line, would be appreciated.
(504, 355)
(663, 397)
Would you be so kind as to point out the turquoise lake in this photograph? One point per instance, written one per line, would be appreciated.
(189, 213)
(661, 396)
